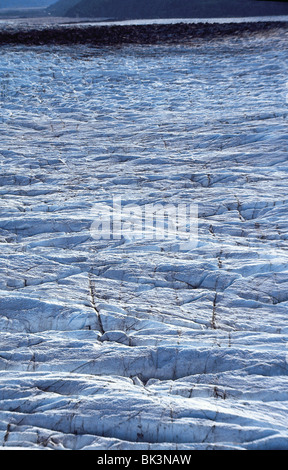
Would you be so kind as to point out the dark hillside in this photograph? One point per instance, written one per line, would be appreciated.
(137, 9)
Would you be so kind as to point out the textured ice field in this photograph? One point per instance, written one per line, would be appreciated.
(124, 344)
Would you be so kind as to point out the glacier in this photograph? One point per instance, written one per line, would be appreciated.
(134, 344)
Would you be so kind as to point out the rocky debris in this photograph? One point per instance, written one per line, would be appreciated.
(131, 34)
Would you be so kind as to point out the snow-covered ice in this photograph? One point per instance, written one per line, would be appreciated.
(133, 344)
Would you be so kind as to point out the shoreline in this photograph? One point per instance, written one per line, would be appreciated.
(115, 34)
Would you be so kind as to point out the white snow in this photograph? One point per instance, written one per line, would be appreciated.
(133, 344)
(249, 19)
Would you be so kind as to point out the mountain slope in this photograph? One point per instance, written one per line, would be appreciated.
(61, 7)
(132, 9)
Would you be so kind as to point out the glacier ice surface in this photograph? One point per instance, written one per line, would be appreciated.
(133, 344)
